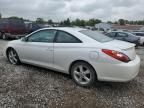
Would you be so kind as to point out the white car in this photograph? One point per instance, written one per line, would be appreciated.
(84, 54)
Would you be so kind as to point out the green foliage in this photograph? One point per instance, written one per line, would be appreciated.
(81, 22)
(110, 22)
(15, 17)
(90, 22)
(50, 21)
(121, 21)
(40, 20)
(140, 22)
(65, 22)
(78, 22)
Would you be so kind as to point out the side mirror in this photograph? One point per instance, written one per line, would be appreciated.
(24, 39)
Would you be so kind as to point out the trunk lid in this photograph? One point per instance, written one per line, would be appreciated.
(125, 47)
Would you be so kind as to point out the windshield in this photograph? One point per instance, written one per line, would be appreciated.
(96, 36)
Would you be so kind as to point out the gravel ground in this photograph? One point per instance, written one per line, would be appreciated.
(27, 86)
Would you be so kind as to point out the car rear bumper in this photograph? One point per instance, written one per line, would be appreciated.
(118, 72)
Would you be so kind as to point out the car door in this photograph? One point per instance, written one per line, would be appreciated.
(38, 48)
(66, 46)
(121, 36)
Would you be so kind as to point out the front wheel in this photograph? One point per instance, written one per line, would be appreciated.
(13, 57)
(83, 74)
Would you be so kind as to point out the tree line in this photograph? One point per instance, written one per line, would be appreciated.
(124, 22)
(90, 22)
(67, 22)
(82, 22)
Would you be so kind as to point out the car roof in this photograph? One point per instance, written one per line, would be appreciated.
(75, 31)
(65, 28)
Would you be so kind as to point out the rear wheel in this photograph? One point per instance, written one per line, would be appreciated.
(13, 57)
(83, 74)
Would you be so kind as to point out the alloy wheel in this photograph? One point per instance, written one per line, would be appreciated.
(82, 74)
(12, 56)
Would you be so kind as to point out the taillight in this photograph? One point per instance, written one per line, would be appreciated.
(117, 55)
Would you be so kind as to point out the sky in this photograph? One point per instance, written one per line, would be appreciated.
(57, 10)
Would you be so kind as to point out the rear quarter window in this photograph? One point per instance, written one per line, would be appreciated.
(64, 37)
(96, 36)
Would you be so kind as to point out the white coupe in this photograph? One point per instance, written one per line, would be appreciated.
(84, 54)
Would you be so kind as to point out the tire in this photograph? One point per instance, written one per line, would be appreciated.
(83, 74)
(13, 57)
(4, 37)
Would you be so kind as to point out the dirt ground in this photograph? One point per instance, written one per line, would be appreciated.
(27, 86)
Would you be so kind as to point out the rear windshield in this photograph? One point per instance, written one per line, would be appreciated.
(96, 36)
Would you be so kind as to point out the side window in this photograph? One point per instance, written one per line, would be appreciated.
(64, 37)
(46, 36)
(112, 34)
(122, 35)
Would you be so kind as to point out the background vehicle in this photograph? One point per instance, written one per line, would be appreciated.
(12, 28)
(141, 35)
(124, 36)
(84, 54)
(31, 27)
